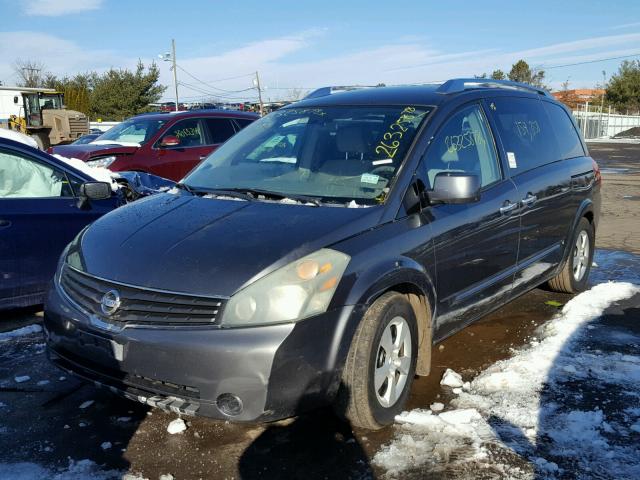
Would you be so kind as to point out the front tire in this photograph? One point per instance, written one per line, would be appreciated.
(381, 364)
(575, 274)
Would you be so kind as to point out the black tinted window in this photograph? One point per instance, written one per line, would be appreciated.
(569, 145)
(525, 131)
(220, 129)
(242, 122)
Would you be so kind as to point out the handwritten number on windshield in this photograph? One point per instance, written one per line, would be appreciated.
(397, 129)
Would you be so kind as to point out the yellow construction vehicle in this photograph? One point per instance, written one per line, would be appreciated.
(40, 113)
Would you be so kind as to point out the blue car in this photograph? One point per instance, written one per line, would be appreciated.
(44, 203)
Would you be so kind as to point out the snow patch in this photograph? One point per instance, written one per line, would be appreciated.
(22, 378)
(176, 426)
(97, 173)
(76, 470)
(451, 379)
(504, 406)
(21, 332)
(86, 404)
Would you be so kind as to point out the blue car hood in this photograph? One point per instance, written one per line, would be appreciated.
(213, 247)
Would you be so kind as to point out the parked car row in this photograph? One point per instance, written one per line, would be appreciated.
(165, 144)
(317, 256)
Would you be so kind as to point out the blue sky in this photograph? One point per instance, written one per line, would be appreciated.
(310, 44)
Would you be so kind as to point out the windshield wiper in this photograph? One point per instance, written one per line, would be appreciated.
(184, 186)
(255, 192)
(219, 192)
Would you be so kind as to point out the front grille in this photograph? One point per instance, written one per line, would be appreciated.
(78, 126)
(139, 306)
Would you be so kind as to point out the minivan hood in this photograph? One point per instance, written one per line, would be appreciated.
(90, 150)
(207, 246)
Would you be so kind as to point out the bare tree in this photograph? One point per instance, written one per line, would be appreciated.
(31, 73)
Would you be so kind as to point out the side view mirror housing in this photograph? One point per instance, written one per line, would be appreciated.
(455, 187)
(169, 141)
(93, 191)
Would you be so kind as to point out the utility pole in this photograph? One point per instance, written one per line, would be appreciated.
(259, 94)
(175, 70)
(604, 83)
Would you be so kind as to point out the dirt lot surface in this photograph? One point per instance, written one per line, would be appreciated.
(51, 422)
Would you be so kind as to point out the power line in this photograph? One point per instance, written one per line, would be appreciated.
(206, 84)
(589, 61)
(195, 88)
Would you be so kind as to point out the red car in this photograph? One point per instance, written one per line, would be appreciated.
(164, 144)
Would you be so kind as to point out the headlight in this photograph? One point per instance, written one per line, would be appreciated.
(296, 291)
(103, 162)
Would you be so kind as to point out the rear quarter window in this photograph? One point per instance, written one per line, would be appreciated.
(243, 122)
(525, 131)
(568, 141)
(220, 129)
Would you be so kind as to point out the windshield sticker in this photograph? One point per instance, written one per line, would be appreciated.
(470, 138)
(391, 139)
(369, 178)
(384, 161)
(511, 157)
(529, 129)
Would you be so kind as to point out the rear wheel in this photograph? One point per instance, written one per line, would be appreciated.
(575, 274)
(381, 364)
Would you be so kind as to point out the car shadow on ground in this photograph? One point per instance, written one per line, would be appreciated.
(316, 445)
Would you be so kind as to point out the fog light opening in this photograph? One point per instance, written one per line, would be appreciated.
(229, 404)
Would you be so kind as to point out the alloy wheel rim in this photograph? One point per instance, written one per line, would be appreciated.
(580, 256)
(393, 361)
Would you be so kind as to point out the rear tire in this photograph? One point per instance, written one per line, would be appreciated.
(574, 276)
(381, 364)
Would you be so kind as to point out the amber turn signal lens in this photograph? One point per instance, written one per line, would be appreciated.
(329, 284)
(325, 268)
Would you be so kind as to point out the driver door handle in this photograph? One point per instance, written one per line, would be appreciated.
(5, 223)
(529, 200)
(508, 207)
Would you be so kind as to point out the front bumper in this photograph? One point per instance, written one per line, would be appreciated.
(276, 371)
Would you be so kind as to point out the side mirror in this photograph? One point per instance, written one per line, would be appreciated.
(170, 141)
(93, 191)
(455, 187)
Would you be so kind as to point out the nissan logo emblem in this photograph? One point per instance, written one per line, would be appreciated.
(110, 302)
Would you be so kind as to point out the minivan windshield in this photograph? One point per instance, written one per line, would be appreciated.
(133, 131)
(332, 154)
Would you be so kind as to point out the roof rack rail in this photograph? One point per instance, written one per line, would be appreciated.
(456, 85)
(324, 91)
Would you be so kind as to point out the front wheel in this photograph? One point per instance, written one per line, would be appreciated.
(381, 364)
(575, 274)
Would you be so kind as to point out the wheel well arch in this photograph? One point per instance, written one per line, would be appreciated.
(424, 311)
(589, 216)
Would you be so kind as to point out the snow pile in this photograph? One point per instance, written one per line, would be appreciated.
(99, 174)
(511, 406)
(20, 332)
(176, 426)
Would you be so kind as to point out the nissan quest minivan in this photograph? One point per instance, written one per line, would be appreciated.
(318, 255)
